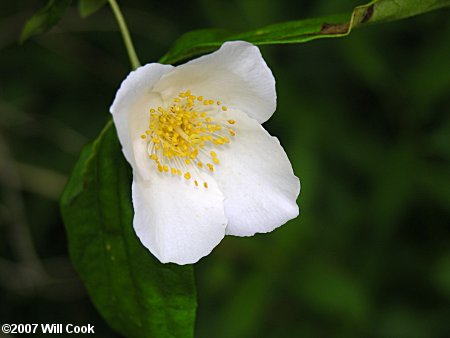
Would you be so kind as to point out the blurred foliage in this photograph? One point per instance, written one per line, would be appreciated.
(45, 18)
(365, 121)
(89, 7)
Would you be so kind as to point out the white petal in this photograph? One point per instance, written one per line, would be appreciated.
(177, 221)
(257, 179)
(131, 105)
(236, 74)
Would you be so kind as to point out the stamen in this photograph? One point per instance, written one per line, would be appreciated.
(182, 137)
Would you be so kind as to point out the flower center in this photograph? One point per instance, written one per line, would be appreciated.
(182, 137)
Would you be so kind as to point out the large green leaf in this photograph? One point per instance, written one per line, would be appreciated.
(201, 41)
(136, 294)
(89, 7)
(45, 18)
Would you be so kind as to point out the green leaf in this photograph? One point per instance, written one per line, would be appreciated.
(390, 10)
(45, 18)
(135, 293)
(89, 7)
(202, 41)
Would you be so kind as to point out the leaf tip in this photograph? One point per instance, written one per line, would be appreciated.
(88, 7)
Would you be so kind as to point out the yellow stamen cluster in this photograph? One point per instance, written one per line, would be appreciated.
(178, 136)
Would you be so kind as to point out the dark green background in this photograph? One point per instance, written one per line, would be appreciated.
(364, 119)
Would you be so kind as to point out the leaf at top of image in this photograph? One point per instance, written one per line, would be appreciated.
(45, 18)
(206, 40)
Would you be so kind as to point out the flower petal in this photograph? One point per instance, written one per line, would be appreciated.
(177, 221)
(256, 178)
(236, 74)
(131, 104)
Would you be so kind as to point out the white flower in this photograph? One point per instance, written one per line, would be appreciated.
(203, 166)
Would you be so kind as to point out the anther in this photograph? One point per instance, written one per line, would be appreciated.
(179, 135)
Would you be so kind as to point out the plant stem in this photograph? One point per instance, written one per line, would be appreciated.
(125, 34)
